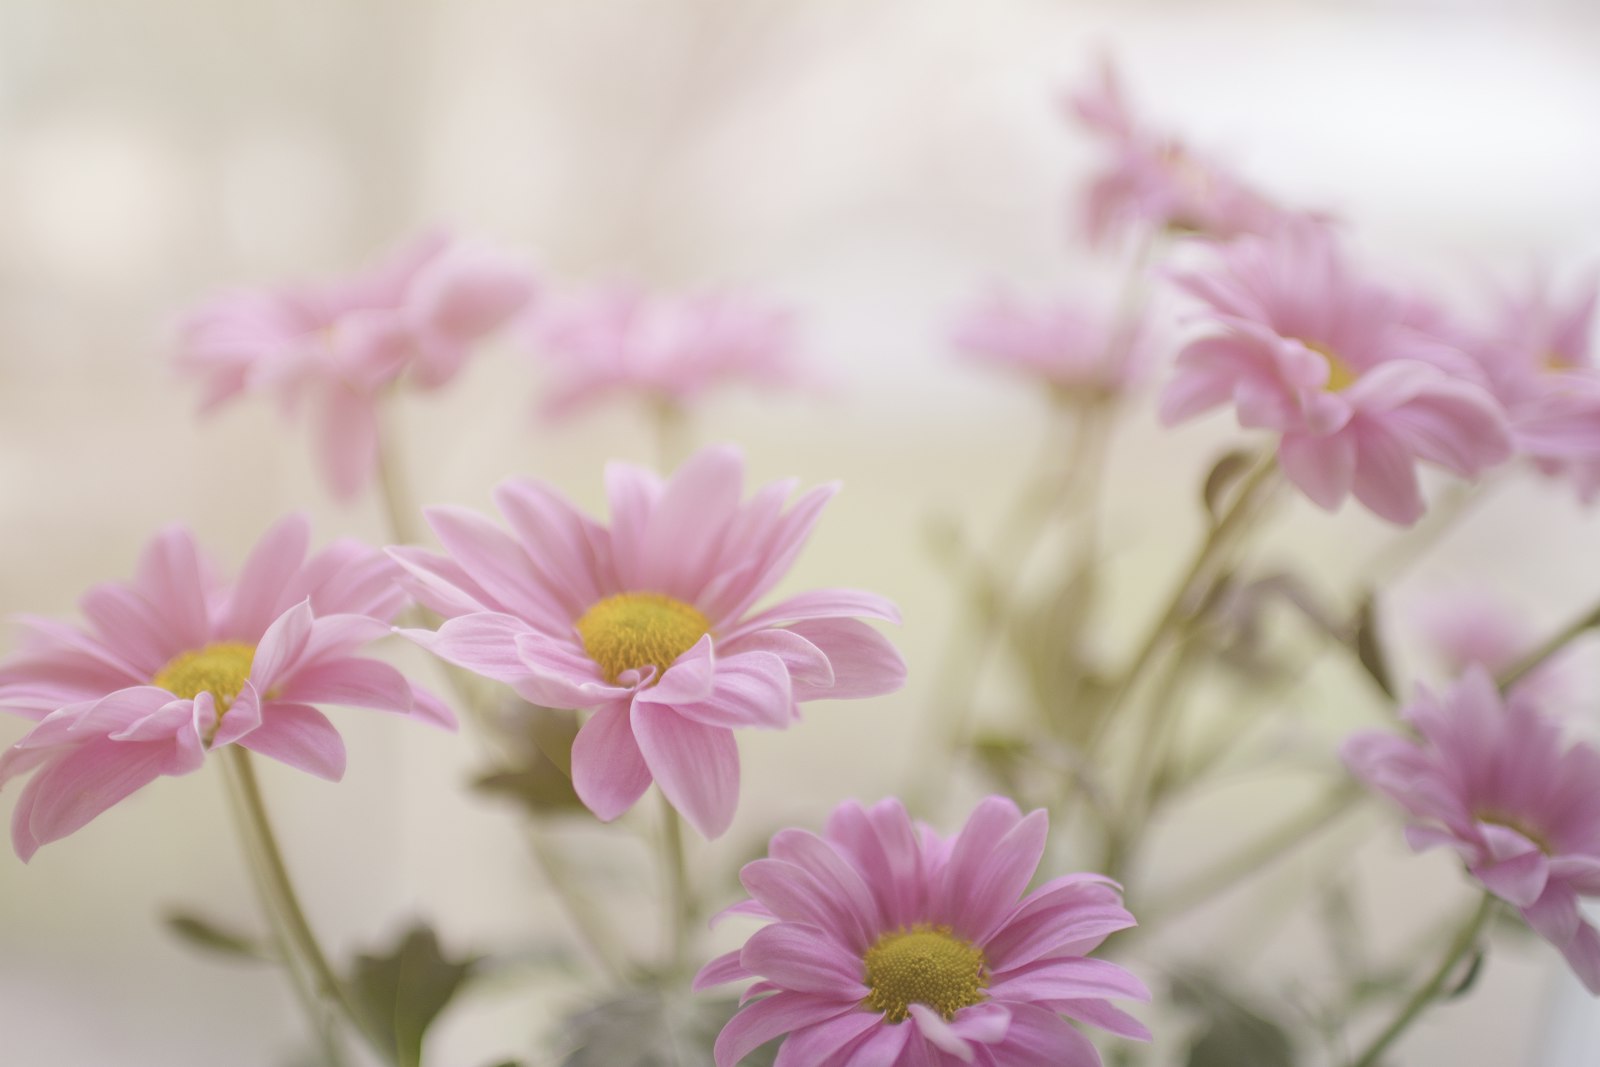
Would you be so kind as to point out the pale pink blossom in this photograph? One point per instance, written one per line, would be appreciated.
(1152, 181)
(1066, 345)
(176, 664)
(1491, 779)
(338, 346)
(650, 623)
(1341, 369)
(1470, 626)
(1539, 358)
(667, 349)
(891, 946)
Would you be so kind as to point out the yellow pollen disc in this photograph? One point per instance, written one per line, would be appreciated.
(923, 965)
(631, 631)
(1340, 376)
(220, 669)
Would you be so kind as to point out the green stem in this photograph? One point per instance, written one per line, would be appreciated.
(1430, 990)
(1558, 641)
(679, 895)
(1217, 540)
(274, 876)
(1254, 856)
(310, 1003)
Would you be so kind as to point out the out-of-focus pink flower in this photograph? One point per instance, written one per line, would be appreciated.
(338, 346)
(892, 946)
(1492, 780)
(1539, 360)
(1153, 181)
(1064, 345)
(667, 349)
(175, 664)
(649, 623)
(1469, 626)
(1339, 367)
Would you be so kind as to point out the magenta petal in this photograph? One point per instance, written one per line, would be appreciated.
(431, 709)
(813, 1045)
(725, 968)
(692, 676)
(881, 1047)
(282, 646)
(484, 643)
(804, 958)
(760, 1022)
(138, 640)
(864, 663)
(1041, 1038)
(67, 794)
(1097, 1012)
(1322, 467)
(300, 736)
(806, 663)
(170, 575)
(702, 495)
(608, 770)
(243, 716)
(497, 563)
(856, 917)
(819, 604)
(1518, 880)
(992, 862)
(940, 1034)
(1073, 978)
(984, 1023)
(696, 766)
(440, 583)
(1386, 478)
(1582, 952)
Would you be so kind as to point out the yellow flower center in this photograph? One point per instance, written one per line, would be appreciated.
(923, 965)
(220, 669)
(1340, 376)
(631, 631)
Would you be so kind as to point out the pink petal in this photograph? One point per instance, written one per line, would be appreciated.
(813, 1045)
(355, 683)
(632, 492)
(567, 546)
(1073, 978)
(137, 637)
(499, 565)
(67, 794)
(1098, 1013)
(992, 862)
(804, 958)
(760, 1022)
(696, 766)
(1518, 880)
(882, 844)
(282, 646)
(752, 689)
(1322, 467)
(819, 604)
(725, 968)
(984, 1023)
(882, 1047)
(276, 559)
(170, 575)
(806, 663)
(692, 676)
(1582, 952)
(441, 584)
(1386, 477)
(795, 894)
(1041, 1038)
(939, 1033)
(484, 643)
(430, 709)
(608, 770)
(864, 663)
(701, 496)
(300, 736)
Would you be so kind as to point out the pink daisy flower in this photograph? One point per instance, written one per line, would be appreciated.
(1540, 362)
(175, 664)
(894, 947)
(1491, 779)
(1339, 368)
(1471, 626)
(339, 345)
(672, 350)
(1152, 181)
(649, 623)
(1066, 346)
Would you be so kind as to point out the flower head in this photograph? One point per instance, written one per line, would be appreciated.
(649, 623)
(668, 349)
(892, 946)
(1539, 360)
(175, 664)
(339, 345)
(1064, 345)
(1152, 181)
(1491, 779)
(1340, 368)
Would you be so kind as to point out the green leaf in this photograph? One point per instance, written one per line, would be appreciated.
(207, 935)
(539, 778)
(1224, 473)
(1369, 646)
(400, 993)
(646, 1028)
(1241, 1040)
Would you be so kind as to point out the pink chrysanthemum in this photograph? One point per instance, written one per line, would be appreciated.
(1339, 368)
(649, 623)
(1152, 181)
(621, 341)
(1539, 360)
(339, 345)
(1064, 345)
(893, 947)
(1471, 626)
(174, 664)
(1491, 779)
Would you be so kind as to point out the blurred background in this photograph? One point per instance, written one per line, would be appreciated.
(875, 163)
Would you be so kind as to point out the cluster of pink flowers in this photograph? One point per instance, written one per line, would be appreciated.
(339, 346)
(1072, 347)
